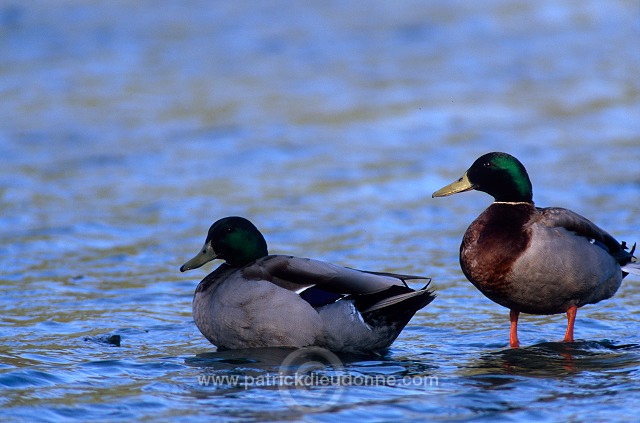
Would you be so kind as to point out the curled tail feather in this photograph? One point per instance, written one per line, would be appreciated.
(632, 265)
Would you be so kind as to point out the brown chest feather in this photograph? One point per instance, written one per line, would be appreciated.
(493, 242)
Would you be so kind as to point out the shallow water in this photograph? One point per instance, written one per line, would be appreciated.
(128, 128)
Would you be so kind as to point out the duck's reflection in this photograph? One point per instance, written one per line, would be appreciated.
(555, 359)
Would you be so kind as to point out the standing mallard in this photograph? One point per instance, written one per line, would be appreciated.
(534, 260)
(259, 300)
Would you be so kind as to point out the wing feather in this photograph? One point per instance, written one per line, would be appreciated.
(297, 274)
(571, 221)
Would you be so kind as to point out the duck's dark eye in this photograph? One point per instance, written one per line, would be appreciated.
(488, 164)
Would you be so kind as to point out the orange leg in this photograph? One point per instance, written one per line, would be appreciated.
(513, 332)
(571, 319)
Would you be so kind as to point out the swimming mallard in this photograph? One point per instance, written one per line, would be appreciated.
(259, 300)
(534, 260)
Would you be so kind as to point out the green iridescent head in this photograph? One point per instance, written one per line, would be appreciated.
(232, 239)
(498, 174)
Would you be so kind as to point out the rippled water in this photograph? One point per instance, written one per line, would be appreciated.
(128, 127)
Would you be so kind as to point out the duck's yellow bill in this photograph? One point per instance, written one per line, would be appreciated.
(205, 255)
(461, 185)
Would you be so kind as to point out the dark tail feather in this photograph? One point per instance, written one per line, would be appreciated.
(628, 262)
(394, 306)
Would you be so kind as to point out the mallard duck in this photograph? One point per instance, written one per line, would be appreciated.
(254, 299)
(535, 260)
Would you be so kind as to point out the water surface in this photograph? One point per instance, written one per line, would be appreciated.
(129, 127)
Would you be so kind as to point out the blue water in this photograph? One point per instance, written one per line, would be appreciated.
(128, 127)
